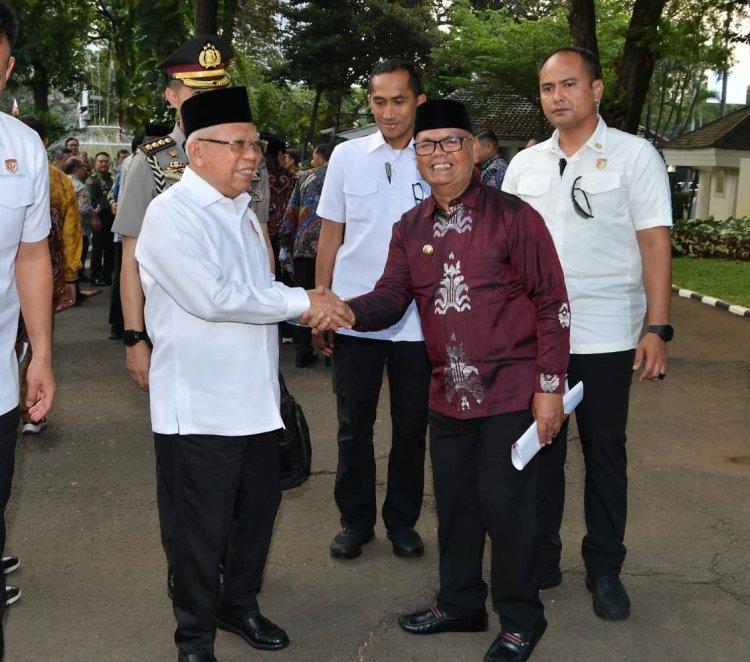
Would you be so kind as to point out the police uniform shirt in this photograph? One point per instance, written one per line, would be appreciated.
(25, 215)
(625, 182)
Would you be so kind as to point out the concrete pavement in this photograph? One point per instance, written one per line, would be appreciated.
(83, 520)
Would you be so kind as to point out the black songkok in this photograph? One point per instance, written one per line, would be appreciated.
(442, 114)
(223, 106)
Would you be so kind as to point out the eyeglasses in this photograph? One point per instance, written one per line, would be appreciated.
(239, 146)
(418, 192)
(448, 144)
(580, 210)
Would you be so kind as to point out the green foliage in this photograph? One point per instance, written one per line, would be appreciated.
(728, 280)
(728, 239)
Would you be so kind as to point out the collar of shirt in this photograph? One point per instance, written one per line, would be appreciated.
(469, 198)
(377, 140)
(206, 195)
(597, 142)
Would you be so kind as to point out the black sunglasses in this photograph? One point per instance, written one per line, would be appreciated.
(584, 213)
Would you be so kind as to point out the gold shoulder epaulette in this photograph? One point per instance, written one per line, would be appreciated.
(157, 145)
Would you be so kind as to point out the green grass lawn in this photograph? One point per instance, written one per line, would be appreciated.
(728, 280)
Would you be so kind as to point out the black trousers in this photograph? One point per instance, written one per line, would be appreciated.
(304, 276)
(479, 492)
(8, 435)
(227, 493)
(358, 365)
(602, 418)
(165, 477)
(115, 305)
(102, 250)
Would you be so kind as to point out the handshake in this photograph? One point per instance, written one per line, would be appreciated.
(327, 312)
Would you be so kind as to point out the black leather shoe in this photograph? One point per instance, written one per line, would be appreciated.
(406, 543)
(611, 601)
(549, 579)
(170, 582)
(515, 646)
(257, 631)
(348, 543)
(433, 621)
(201, 657)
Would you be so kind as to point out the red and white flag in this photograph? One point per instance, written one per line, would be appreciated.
(14, 110)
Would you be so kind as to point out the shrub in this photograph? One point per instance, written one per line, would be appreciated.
(729, 239)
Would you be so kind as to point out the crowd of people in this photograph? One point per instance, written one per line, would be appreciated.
(482, 289)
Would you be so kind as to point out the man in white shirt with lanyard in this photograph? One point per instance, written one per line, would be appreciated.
(25, 276)
(604, 195)
(370, 183)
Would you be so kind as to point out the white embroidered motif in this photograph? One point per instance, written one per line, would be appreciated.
(458, 218)
(453, 292)
(549, 383)
(564, 316)
(461, 376)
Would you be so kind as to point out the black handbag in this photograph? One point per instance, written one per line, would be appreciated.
(295, 449)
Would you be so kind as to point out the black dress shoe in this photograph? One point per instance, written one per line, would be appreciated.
(549, 579)
(611, 601)
(200, 657)
(257, 631)
(348, 543)
(515, 646)
(433, 621)
(406, 543)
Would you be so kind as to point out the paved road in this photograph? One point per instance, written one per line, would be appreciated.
(83, 520)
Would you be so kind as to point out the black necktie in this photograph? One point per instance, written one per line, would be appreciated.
(562, 163)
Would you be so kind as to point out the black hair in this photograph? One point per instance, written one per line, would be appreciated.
(71, 164)
(62, 151)
(590, 61)
(294, 156)
(137, 142)
(67, 140)
(487, 135)
(325, 150)
(8, 23)
(98, 154)
(36, 124)
(389, 66)
(124, 152)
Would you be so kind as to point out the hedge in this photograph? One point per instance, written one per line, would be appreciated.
(729, 239)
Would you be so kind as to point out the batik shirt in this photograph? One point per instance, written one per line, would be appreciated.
(492, 171)
(300, 229)
(491, 299)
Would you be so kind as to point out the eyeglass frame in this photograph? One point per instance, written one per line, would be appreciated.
(258, 146)
(586, 215)
(440, 142)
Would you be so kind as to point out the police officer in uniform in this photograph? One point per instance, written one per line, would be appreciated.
(197, 66)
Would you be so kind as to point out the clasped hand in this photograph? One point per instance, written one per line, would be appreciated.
(327, 312)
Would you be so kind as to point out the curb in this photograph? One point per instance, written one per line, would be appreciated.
(711, 301)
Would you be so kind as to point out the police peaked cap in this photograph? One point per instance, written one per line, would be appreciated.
(225, 106)
(442, 114)
(200, 62)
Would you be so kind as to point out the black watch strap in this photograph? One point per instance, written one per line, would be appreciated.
(132, 337)
(664, 331)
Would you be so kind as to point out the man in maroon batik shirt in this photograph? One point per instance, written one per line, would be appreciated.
(483, 270)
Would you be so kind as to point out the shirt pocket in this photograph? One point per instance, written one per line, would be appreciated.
(533, 187)
(361, 199)
(604, 191)
(16, 196)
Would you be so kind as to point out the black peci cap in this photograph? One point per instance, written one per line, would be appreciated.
(224, 106)
(442, 114)
(200, 62)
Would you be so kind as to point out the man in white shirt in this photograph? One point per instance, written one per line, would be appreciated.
(211, 310)
(369, 184)
(25, 276)
(604, 195)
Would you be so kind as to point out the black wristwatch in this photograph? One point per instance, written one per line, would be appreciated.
(664, 331)
(132, 337)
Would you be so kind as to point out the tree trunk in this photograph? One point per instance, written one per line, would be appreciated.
(313, 122)
(206, 16)
(639, 58)
(582, 25)
(228, 19)
(40, 88)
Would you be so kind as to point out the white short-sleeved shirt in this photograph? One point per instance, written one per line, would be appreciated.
(626, 183)
(24, 217)
(211, 308)
(357, 192)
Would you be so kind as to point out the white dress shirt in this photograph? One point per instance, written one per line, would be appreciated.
(368, 186)
(24, 217)
(211, 308)
(626, 184)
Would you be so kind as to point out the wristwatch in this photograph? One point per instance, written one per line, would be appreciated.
(132, 337)
(664, 331)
